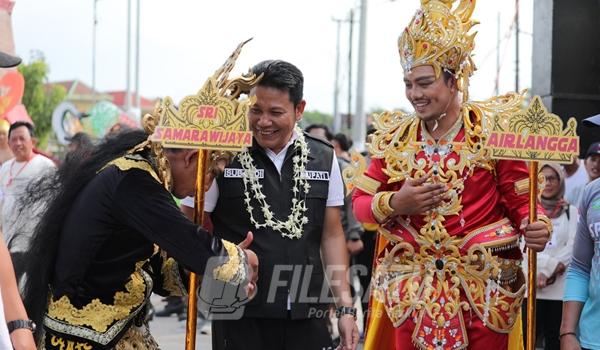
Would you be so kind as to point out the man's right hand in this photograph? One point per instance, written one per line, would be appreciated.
(417, 197)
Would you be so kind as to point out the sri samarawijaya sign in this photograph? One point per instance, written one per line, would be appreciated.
(214, 118)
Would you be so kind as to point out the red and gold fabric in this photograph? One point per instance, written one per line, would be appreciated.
(460, 261)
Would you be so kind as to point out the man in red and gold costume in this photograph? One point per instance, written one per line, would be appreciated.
(450, 277)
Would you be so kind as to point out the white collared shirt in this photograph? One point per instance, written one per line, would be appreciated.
(335, 196)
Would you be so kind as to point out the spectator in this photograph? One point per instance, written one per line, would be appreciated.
(575, 176)
(319, 130)
(592, 167)
(341, 145)
(553, 261)
(17, 333)
(581, 307)
(15, 175)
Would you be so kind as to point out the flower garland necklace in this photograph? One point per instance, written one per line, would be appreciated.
(293, 226)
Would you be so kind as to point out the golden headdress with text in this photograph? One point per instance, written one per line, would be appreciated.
(438, 35)
(214, 118)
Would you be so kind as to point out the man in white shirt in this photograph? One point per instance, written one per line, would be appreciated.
(288, 188)
(16, 174)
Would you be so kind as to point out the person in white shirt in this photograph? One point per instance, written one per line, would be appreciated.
(15, 326)
(575, 177)
(16, 174)
(552, 262)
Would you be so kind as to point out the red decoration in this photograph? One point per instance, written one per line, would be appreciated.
(12, 86)
(7, 5)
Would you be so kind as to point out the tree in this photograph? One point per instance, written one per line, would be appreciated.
(39, 100)
(316, 117)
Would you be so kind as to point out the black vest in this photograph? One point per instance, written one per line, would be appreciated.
(296, 262)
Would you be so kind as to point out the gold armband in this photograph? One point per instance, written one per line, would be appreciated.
(381, 205)
(549, 225)
(522, 187)
(367, 184)
(234, 270)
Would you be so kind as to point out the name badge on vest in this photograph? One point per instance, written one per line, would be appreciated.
(237, 173)
(316, 175)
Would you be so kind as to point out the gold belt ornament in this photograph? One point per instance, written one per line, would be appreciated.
(436, 280)
(97, 321)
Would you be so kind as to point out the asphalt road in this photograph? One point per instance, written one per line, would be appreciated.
(170, 333)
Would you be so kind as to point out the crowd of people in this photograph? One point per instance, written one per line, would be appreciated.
(433, 231)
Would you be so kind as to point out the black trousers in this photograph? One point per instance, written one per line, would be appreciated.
(547, 322)
(271, 334)
(365, 259)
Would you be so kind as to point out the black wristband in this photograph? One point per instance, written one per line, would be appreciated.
(18, 324)
(345, 310)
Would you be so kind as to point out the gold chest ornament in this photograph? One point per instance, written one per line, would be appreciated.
(429, 275)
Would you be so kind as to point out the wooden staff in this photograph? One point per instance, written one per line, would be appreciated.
(190, 327)
(532, 258)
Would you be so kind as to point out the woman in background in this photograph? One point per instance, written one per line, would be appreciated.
(553, 261)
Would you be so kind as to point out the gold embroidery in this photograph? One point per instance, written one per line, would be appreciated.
(369, 226)
(70, 345)
(172, 282)
(549, 225)
(366, 184)
(423, 280)
(234, 270)
(380, 205)
(429, 277)
(353, 175)
(502, 226)
(127, 163)
(137, 338)
(97, 315)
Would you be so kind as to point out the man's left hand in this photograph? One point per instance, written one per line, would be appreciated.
(536, 234)
(348, 332)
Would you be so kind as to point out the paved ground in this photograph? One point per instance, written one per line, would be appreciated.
(170, 333)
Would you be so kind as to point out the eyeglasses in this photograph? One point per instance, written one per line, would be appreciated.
(553, 179)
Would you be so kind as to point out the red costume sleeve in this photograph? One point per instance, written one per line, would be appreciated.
(361, 200)
(517, 205)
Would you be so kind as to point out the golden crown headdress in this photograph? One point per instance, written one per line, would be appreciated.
(438, 35)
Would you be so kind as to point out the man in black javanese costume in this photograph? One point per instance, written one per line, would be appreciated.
(95, 256)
